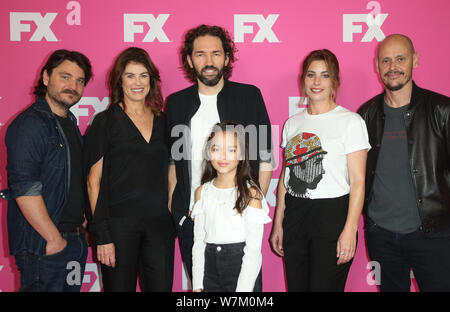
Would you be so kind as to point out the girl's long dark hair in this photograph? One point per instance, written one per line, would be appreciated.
(245, 176)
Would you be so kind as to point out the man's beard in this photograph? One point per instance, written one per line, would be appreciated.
(209, 82)
(400, 85)
(58, 100)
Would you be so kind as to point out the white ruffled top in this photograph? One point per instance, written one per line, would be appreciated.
(217, 222)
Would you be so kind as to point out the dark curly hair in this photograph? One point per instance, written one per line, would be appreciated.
(135, 55)
(55, 59)
(207, 30)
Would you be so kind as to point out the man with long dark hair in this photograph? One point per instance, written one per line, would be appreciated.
(208, 57)
(46, 209)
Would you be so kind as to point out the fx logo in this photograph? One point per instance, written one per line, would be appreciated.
(92, 278)
(156, 27)
(265, 27)
(374, 19)
(42, 23)
(374, 24)
(297, 104)
(82, 108)
(271, 197)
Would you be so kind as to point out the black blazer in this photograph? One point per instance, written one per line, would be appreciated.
(237, 102)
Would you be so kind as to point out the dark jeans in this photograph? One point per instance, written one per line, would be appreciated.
(311, 228)
(144, 247)
(60, 272)
(429, 258)
(222, 268)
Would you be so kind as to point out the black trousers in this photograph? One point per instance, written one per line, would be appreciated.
(144, 247)
(311, 228)
(397, 254)
(222, 268)
(186, 241)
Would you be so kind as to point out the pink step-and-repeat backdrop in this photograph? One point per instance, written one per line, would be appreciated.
(272, 37)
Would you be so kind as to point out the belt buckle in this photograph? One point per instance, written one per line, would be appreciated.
(78, 230)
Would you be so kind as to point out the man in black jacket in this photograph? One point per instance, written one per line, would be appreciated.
(46, 187)
(208, 56)
(408, 175)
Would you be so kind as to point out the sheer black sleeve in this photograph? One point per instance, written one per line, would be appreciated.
(95, 147)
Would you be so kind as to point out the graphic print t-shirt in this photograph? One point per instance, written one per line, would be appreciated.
(316, 148)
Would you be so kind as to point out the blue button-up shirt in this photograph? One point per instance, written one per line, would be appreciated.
(38, 164)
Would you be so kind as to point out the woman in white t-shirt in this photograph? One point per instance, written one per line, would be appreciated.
(321, 187)
(229, 216)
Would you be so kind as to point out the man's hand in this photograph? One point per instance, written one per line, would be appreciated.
(53, 247)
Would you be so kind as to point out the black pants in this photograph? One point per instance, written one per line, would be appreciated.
(144, 247)
(186, 241)
(397, 254)
(311, 228)
(222, 268)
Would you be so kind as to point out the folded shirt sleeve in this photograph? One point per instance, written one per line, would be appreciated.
(356, 137)
(255, 218)
(198, 249)
(26, 141)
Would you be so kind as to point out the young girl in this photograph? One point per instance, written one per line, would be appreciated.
(229, 216)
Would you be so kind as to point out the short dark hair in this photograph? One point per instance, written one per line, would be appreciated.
(135, 55)
(207, 30)
(55, 59)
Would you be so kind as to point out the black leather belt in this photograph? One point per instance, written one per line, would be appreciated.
(78, 230)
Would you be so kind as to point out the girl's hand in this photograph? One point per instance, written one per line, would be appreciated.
(346, 246)
(106, 254)
(198, 290)
(276, 240)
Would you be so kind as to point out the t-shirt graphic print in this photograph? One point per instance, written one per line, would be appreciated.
(316, 149)
(304, 156)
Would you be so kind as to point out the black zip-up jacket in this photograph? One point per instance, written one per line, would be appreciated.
(237, 102)
(427, 123)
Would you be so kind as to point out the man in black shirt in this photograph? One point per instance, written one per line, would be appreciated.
(208, 56)
(408, 169)
(45, 186)
(73, 217)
